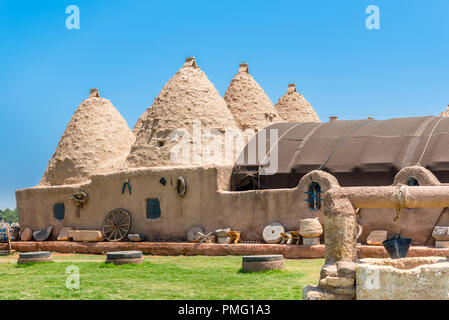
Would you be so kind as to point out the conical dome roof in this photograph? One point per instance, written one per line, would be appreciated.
(445, 113)
(249, 104)
(96, 140)
(293, 107)
(187, 100)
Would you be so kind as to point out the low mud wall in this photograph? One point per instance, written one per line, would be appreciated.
(209, 249)
(205, 203)
(208, 204)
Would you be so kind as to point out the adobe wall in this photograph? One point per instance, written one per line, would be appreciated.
(205, 203)
(415, 223)
(208, 204)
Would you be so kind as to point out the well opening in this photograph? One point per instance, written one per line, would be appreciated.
(404, 263)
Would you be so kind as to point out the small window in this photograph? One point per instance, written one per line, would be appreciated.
(412, 182)
(314, 196)
(59, 211)
(153, 209)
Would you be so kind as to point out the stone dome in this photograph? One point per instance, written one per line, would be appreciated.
(186, 101)
(293, 107)
(248, 102)
(96, 140)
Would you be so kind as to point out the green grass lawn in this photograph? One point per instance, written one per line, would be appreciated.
(197, 277)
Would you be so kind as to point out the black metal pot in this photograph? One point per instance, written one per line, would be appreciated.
(397, 246)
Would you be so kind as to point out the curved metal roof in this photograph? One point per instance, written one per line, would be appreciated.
(357, 152)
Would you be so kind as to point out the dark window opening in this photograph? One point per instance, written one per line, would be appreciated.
(59, 211)
(153, 209)
(412, 182)
(314, 196)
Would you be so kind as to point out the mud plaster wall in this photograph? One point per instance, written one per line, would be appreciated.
(205, 203)
(416, 223)
(208, 204)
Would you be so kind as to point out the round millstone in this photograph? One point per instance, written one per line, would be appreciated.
(193, 234)
(124, 257)
(262, 263)
(124, 254)
(272, 232)
(262, 258)
(38, 256)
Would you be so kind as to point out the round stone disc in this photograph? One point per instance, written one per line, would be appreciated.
(262, 258)
(193, 234)
(36, 254)
(223, 232)
(272, 232)
(124, 255)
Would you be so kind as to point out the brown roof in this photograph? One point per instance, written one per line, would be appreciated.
(357, 152)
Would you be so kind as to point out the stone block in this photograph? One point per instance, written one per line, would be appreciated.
(26, 234)
(336, 282)
(441, 243)
(317, 293)
(440, 233)
(63, 234)
(347, 291)
(423, 278)
(328, 270)
(376, 237)
(311, 241)
(85, 235)
(346, 269)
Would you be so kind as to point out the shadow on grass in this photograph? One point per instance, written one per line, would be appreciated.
(124, 266)
(30, 264)
(268, 272)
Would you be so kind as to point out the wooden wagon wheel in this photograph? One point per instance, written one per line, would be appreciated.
(116, 225)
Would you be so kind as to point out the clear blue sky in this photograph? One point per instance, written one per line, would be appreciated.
(129, 49)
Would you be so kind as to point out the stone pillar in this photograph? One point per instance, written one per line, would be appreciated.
(340, 231)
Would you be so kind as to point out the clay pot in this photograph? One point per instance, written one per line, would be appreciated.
(310, 228)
